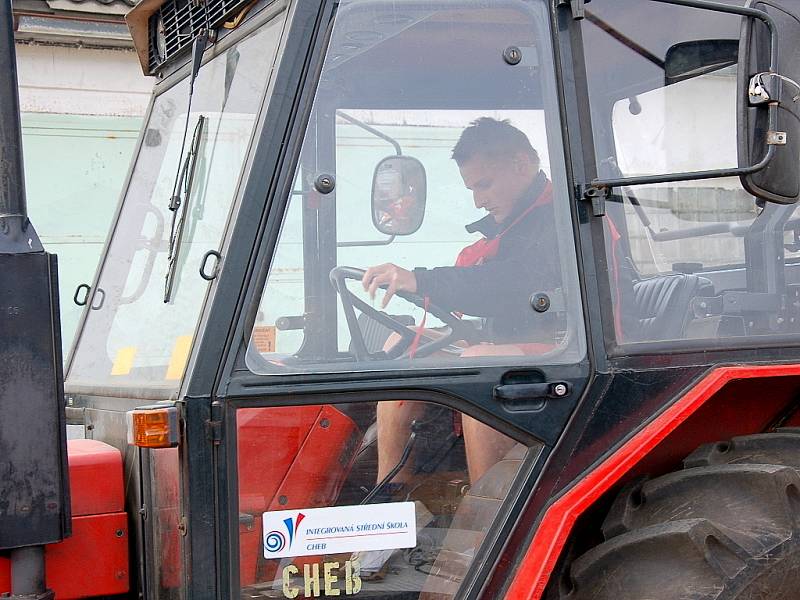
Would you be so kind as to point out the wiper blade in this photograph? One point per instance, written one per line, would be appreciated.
(179, 204)
(185, 174)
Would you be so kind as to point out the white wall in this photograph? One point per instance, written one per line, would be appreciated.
(82, 109)
(81, 81)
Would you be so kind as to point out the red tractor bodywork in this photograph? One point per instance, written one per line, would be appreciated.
(292, 457)
(719, 406)
(94, 561)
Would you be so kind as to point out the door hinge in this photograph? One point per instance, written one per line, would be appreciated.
(214, 430)
(577, 6)
(214, 424)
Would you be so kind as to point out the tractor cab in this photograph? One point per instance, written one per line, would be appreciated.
(375, 263)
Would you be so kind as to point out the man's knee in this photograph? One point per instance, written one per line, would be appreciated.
(391, 341)
(397, 415)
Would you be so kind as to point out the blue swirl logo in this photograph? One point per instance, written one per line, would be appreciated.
(274, 541)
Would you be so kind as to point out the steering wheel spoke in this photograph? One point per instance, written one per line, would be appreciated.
(456, 328)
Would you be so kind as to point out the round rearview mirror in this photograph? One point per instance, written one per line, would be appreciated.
(399, 190)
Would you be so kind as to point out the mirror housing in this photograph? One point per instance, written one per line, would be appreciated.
(399, 193)
(759, 90)
(698, 57)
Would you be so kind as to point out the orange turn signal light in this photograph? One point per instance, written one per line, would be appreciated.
(153, 427)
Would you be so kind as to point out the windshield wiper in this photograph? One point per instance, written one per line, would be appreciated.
(185, 174)
(179, 204)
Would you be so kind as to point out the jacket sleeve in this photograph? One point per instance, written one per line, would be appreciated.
(494, 288)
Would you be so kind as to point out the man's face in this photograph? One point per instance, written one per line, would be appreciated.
(497, 184)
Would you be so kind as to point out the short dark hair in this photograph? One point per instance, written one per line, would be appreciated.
(492, 138)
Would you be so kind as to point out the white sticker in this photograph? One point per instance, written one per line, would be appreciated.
(339, 529)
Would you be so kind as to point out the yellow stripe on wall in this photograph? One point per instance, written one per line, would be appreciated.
(180, 354)
(123, 363)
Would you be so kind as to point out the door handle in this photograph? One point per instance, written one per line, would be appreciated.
(531, 391)
(86, 289)
(210, 275)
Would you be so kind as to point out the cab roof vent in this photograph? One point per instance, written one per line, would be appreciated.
(176, 23)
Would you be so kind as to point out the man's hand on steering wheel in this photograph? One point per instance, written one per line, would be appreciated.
(395, 278)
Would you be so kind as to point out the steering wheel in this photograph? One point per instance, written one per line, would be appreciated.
(456, 328)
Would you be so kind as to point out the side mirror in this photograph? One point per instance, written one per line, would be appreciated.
(698, 57)
(399, 191)
(769, 107)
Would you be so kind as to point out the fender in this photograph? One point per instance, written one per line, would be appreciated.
(534, 571)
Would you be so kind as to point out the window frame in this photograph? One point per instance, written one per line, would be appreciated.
(557, 142)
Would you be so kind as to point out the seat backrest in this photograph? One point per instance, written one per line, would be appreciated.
(376, 334)
(472, 520)
(663, 304)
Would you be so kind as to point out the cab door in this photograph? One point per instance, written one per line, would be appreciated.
(383, 446)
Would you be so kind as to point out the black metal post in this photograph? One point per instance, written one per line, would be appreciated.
(34, 490)
(16, 233)
(27, 566)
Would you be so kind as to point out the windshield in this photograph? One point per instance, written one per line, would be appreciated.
(447, 237)
(142, 317)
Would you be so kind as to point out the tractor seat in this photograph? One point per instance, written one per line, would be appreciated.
(663, 304)
(471, 522)
(376, 334)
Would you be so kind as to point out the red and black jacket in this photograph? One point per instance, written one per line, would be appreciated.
(522, 262)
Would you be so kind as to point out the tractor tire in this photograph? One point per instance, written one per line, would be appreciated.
(726, 527)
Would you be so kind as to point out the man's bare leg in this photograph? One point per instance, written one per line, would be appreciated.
(394, 427)
(485, 446)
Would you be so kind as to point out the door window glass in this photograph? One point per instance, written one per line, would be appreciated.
(431, 167)
(392, 499)
(145, 306)
(693, 259)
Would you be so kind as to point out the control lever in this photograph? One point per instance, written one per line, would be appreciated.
(412, 438)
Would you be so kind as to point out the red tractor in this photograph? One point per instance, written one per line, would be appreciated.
(428, 299)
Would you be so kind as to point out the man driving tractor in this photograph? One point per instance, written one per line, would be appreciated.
(494, 279)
